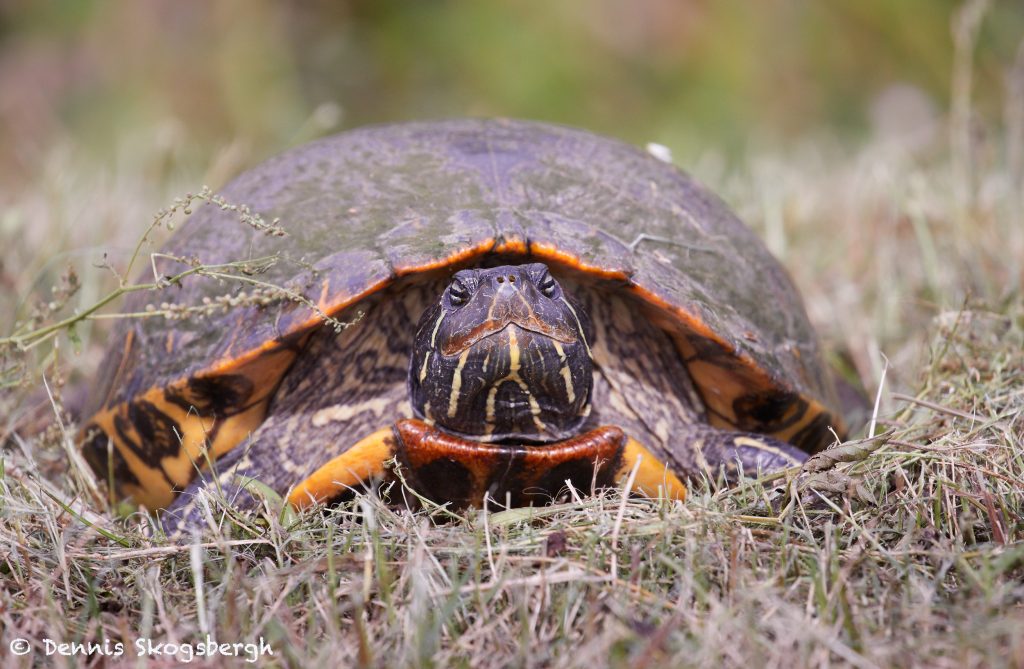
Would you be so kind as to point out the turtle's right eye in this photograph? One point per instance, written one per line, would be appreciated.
(548, 285)
(458, 294)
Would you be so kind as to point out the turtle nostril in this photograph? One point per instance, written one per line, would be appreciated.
(501, 279)
(511, 278)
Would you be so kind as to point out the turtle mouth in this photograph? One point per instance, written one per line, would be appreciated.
(457, 344)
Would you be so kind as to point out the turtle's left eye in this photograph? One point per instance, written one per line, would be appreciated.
(547, 285)
(458, 294)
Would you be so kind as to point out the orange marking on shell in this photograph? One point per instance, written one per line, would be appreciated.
(321, 302)
(461, 255)
(196, 432)
(332, 309)
(488, 463)
(549, 252)
(692, 323)
(269, 359)
(151, 480)
(720, 386)
(230, 364)
(422, 444)
(512, 245)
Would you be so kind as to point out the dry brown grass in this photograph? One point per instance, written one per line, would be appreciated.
(911, 253)
(928, 576)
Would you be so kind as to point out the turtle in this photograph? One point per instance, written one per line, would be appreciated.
(491, 309)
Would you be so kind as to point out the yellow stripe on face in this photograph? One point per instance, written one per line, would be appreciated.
(579, 328)
(534, 408)
(570, 391)
(514, 356)
(423, 370)
(513, 353)
(515, 364)
(489, 415)
(437, 326)
(453, 398)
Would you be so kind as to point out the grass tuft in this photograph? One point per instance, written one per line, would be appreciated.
(930, 575)
(902, 550)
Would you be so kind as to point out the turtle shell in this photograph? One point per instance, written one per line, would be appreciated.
(365, 208)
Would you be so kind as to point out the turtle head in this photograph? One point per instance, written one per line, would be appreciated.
(503, 355)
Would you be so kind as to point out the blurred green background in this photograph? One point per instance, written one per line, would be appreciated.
(215, 86)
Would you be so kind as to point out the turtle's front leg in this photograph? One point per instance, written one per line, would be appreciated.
(360, 464)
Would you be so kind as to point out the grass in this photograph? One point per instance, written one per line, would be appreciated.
(915, 559)
(930, 575)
